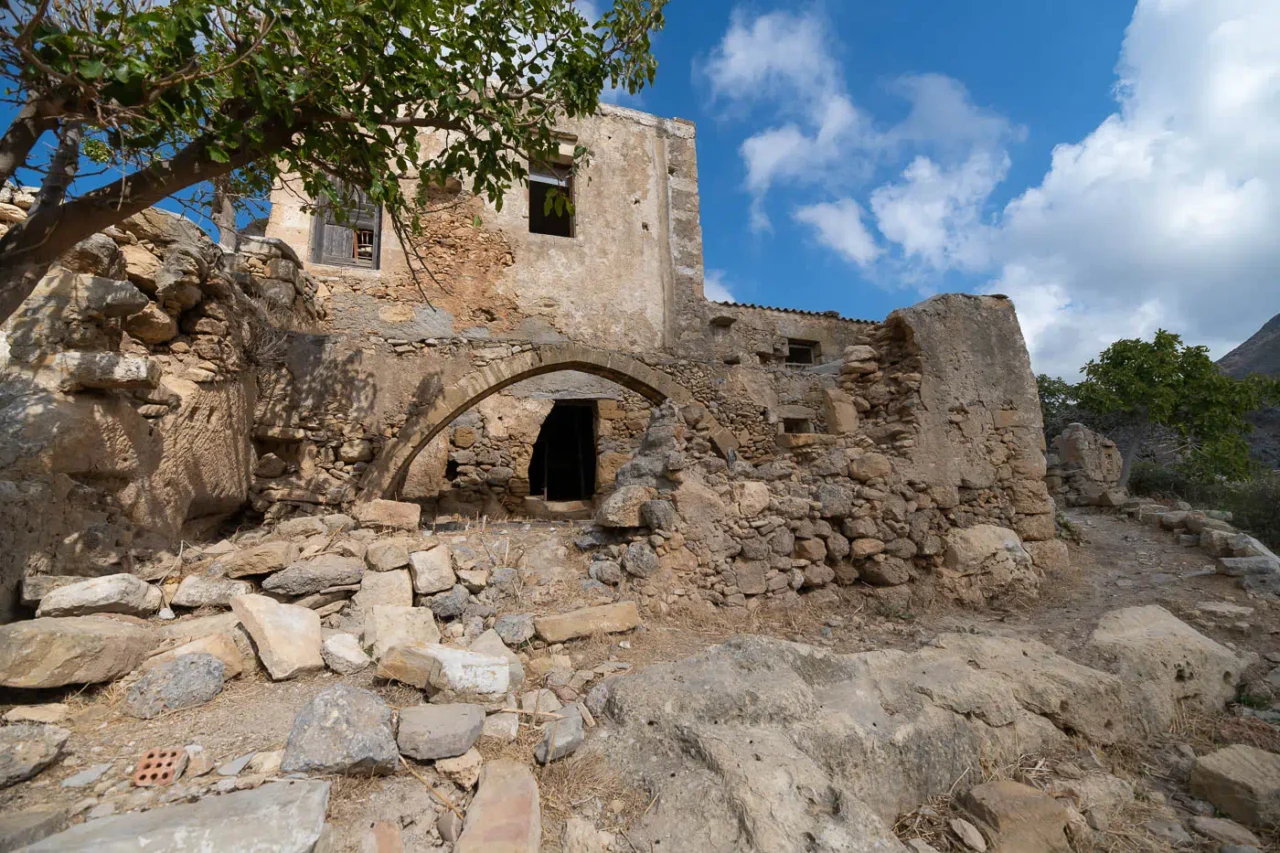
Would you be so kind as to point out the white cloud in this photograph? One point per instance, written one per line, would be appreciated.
(1166, 214)
(933, 214)
(715, 289)
(778, 54)
(839, 226)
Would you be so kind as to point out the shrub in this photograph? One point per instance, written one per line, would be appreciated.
(1254, 504)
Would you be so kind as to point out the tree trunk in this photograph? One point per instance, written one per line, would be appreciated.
(24, 132)
(223, 214)
(31, 246)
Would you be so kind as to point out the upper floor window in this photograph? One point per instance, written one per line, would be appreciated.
(349, 237)
(545, 181)
(802, 352)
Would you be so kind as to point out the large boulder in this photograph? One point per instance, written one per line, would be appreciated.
(283, 817)
(26, 750)
(726, 734)
(1018, 818)
(1168, 663)
(343, 729)
(74, 650)
(287, 637)
(989, 561)
(121, 593)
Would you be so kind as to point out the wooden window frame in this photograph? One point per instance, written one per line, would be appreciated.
(329, 232)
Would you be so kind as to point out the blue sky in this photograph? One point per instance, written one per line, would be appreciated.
(860, 156)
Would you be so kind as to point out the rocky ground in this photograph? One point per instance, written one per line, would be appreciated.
(495, 689)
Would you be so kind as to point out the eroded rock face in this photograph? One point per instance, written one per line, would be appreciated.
(758, 742)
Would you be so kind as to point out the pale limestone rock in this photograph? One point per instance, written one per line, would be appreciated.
(870, 466)
(1020, 818)
(386, 626)
(489, 643)
(394, 589)
(752, 497)
(607, 618)
(432, 570)
(52, 713)
(221, 645)
(122, 593)
(283, 817)
(260, 559)
(287, 637)
(387, 554)
(393, 514)
(343, 655)
(1168, 663)
(106, 371)
(463, 771)
(74, 650)
(26, 750)
(201, 591)
(1242, 781)
(152, 325)
(505, 816)
(457, 672)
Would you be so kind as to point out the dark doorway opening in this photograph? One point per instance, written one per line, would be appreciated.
(563, 467)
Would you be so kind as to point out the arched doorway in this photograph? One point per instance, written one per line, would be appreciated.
(387, 471)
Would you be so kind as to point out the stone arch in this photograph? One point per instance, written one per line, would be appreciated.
(388, 470)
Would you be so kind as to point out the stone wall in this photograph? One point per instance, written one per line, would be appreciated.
(932, 485)
(1084, 468)
(127, 391)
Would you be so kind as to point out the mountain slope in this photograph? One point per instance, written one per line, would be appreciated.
(1260, 354)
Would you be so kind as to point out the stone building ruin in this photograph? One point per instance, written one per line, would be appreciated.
(545, 367)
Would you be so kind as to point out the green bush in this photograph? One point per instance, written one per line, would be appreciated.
(1253, 504)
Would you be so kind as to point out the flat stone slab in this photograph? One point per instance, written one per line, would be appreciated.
(506, 815)
(19, 829)
(607, 619)
(72, 650)
(26, 750)
(120, 593)
(283, 817)
(1242, 782)
(200, 591)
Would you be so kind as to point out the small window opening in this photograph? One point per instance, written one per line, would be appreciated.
(451, 470)
(563, 466)
(801, 352)
(795, 426)
(546, 183)
(347, 236)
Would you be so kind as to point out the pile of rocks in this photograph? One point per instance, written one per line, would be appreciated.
(1238, 555)
(1084, 469)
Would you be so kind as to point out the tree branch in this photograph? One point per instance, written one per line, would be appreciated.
(31, 122)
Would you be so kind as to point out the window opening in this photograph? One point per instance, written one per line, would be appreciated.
(544, 181)
(347, 236)
(795, 426)
(801, 352)
(563, 466)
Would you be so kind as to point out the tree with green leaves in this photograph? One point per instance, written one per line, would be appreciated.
(142, 99)
(1164, 384)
